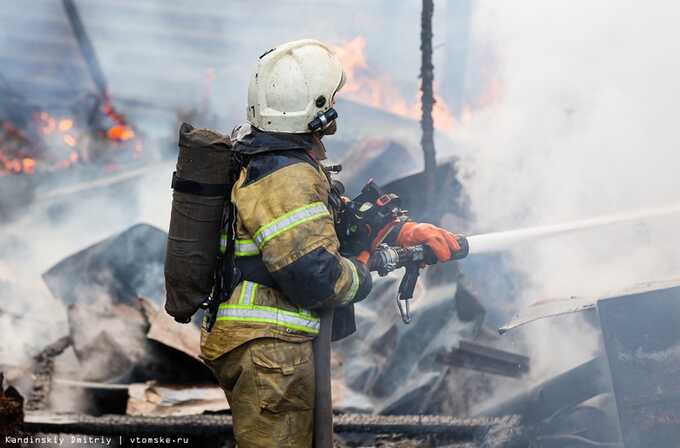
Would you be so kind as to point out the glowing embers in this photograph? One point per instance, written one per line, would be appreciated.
(42, 141)
(120, 131)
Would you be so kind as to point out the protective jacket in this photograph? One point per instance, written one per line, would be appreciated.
(286, 247)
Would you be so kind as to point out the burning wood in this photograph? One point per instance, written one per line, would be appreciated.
(36, 139)
(49, 143)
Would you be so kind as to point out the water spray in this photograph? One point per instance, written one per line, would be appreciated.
(499, 241)
(387, 259)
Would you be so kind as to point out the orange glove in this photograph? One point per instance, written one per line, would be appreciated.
(363, 257)
(442, 242)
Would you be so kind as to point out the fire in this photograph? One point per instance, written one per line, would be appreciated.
(65, 124)
(28, 165)
(10, 165)
(25, 153)
(52, 142)
(120, 133)
(365, 86)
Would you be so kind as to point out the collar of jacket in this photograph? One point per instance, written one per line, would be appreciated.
(255, 141)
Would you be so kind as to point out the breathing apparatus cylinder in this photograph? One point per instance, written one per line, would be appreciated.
(201, 188)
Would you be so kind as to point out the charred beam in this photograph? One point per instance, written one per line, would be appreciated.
(486, 359)
(567, 389)
(86, 47)
(206, 425)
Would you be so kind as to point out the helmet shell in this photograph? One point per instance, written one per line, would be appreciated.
(292, 84)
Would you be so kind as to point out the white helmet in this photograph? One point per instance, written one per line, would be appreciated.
(293, 84)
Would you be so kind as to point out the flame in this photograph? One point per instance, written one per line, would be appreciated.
(28, 165)
(491, 93)
(120, 133)
(50, 144)
(65, 124)
(365, 87)
(20, 156)
(10, 165)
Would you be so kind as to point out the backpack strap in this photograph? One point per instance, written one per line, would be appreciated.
(198, 188)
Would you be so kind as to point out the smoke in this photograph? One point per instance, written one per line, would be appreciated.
(582, 125)
(163, 63)
(585, 125)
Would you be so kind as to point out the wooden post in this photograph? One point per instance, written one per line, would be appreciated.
(427, 98)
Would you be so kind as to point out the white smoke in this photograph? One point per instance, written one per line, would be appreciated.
(585, 125)
(156, 58)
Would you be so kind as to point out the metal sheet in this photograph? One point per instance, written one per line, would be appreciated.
(548, 308)
(642, 341)
(557, 307)
(122, 267)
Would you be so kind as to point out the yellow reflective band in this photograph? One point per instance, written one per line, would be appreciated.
(349, 297)
(289, 221)
(245, 248)
(247, 294)
(270, 315)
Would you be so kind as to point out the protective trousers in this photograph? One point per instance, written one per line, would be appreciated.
(269, 384)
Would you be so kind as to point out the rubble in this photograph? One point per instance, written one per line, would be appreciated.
(43, 370)
(128, 357)
(152, 400)
(121, 268)
(403, 369)
(11, 409)
(125, 346)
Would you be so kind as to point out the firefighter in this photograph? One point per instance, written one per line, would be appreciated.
(287, 250)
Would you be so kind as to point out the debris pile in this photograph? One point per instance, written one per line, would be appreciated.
(113, 291)
(11, 409)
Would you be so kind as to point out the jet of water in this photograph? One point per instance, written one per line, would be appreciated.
(499, 241)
